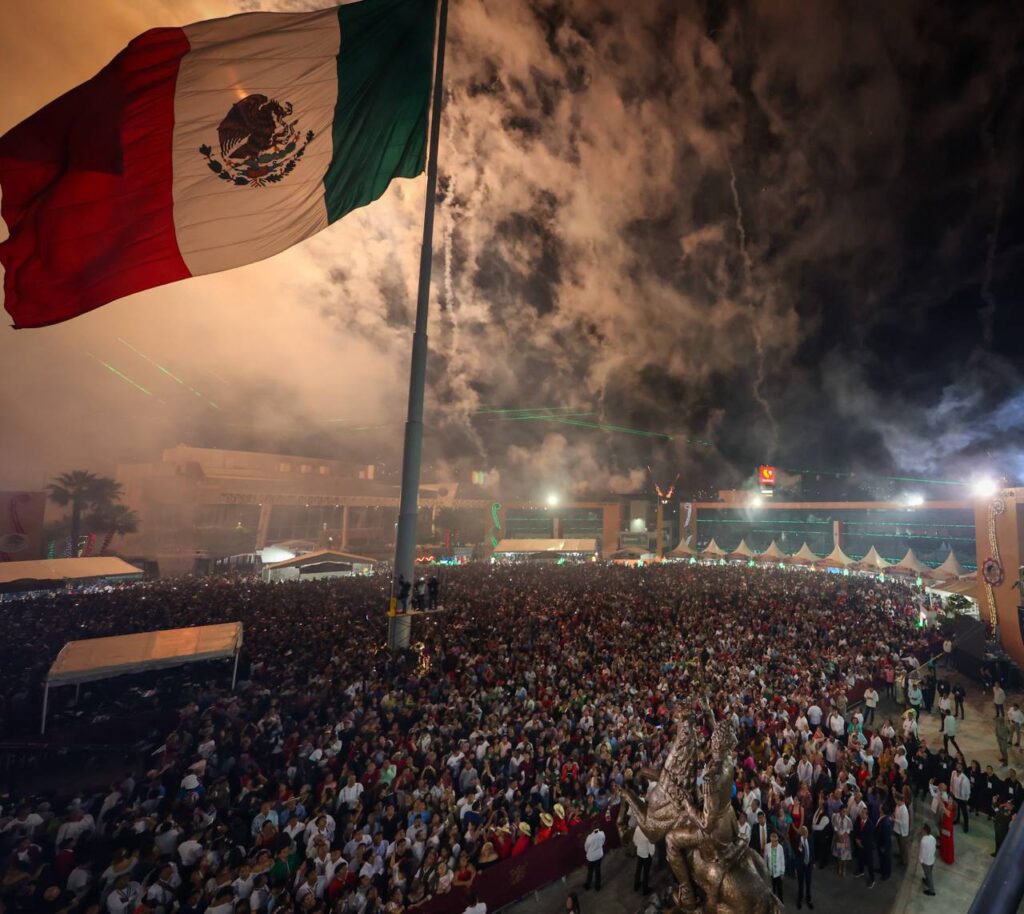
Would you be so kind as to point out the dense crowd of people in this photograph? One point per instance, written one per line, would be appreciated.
(339, 778)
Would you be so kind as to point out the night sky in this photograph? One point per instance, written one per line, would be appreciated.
(778, 232)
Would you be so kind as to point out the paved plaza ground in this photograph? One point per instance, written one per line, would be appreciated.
(955, 885)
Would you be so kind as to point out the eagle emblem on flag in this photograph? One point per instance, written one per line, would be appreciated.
(258, 143)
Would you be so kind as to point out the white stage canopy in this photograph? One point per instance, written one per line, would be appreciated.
(48, 571)
(102, 658)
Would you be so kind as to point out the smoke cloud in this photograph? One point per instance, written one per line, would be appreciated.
(768, 228)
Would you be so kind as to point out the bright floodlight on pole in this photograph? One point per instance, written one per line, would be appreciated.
(914, 500)
(552, 500)
(985, 487)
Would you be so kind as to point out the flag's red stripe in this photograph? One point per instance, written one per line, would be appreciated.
(87, 189)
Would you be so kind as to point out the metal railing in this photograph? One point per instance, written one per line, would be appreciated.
(1003, 886)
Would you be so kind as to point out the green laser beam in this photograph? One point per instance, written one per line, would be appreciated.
(166, 371)
(605, 427)
(120, 374)
(526, 409)
(846, 475)
(534, 416)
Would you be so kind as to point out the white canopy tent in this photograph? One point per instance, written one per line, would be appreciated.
(713, 548)
(911, 564)
(774, 554)
(103, 658)
(805, 556)
(742, 551)
(534, 546)
(682, 551)
(837, 558)
(873, 561)
(950, 568)
(54, 572)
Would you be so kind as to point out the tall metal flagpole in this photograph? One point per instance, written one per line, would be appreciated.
(399, 625)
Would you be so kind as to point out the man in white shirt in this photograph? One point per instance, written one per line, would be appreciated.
(644, 856)
(870, 703)
(960, 788)
(927, 858)
(814, 716)
(901, 828)
(351, 793)
(998, 699)
(775, 859)
(1015, 717)
(190, 851)
(124, 896)
(593, 847)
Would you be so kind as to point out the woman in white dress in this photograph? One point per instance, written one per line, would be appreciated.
(842, 826)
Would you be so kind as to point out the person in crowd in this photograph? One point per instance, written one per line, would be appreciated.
(1003, 817)
(644, 857)
(1003, 739)
(959, 696)
(775, 860)
(926, 856)
(804, 868)
(864, 841)
(842, 828)
(999, 699)
(593, 848)
(960, 791)
(901, 828)
(949, 733)
(1015, 717)
(870, 704)
(946, 846)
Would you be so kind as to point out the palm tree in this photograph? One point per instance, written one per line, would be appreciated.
(83, 490)
(116, 520)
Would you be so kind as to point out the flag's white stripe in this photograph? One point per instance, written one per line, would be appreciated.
(290, 58)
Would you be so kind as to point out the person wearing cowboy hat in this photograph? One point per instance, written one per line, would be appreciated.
(561, 826)
(545, 831)
(523, 841)
(502, 839)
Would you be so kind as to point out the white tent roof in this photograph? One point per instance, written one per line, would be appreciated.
(950, 568)
(873, 560)
(837, 557)
(712, 548)
(547, 545)
(967, 587)
(100, 566)
(774, 553)
(910, 562)
(743, 549)
(682, 550)
(323, 555)
(100, 658)
(804, 554)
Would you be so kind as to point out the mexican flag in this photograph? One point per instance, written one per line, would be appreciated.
(203, 148)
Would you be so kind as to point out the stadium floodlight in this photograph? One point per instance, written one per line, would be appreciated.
(552, 500)
(914, 500)
(985, 487)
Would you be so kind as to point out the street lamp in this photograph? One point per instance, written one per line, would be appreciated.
(552, 500)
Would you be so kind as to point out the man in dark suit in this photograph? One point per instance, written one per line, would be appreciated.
(804, 868)
(864, 843)
(759, 834)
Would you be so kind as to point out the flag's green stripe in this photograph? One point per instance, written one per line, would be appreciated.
(380, 123)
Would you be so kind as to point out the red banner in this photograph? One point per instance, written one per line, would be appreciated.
(516, 877)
